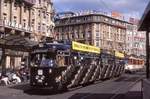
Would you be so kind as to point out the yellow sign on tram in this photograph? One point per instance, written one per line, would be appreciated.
(84, 47)
(119, 54)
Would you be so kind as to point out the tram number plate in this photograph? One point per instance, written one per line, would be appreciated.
(40, 72)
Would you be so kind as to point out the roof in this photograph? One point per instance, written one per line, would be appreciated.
(58, 46)
(94, 14)
(17, 42)
(50, 47)
(144, 22)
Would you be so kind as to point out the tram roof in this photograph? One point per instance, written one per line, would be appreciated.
(59, 46)
(55, 46)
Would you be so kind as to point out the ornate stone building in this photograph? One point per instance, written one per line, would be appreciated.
(30, 18)
(135, 40)
(94, 29)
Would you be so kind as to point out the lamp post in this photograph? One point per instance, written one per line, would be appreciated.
(147, 53)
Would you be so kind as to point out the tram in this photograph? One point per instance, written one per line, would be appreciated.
(134, 64)
(61, 66)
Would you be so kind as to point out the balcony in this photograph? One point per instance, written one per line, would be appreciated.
(30, 2)
(15, 26)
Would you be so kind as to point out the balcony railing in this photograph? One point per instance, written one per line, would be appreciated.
(15, 26)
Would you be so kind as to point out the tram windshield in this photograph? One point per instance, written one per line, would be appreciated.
(47, 59)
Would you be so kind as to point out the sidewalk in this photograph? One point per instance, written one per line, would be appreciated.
(135, 92)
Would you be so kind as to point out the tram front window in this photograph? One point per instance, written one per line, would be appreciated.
(43, 60)
(47, 62)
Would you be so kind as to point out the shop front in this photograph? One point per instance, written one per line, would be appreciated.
(14, 52)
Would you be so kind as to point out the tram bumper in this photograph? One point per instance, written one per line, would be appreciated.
(44, 77)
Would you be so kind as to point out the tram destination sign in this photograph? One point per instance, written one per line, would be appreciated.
(119, 54)
(84, 47)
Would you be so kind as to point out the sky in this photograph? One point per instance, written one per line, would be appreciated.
(129, 8)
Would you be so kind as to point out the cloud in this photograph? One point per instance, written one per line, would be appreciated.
(127, 7)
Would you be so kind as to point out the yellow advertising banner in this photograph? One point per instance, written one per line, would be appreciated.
(119, 54)
(84, 47)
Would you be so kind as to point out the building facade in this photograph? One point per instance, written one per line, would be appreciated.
(135, 40)
(29, 18)
(95, 29)
(32, 18)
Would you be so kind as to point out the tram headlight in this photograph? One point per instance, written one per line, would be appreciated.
(75, 57)
(50, 71)
(57, 79)
(40, 72)
(51, 65)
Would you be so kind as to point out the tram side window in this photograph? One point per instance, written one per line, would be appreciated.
(62, 61)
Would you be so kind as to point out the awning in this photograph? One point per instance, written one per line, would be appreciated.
(17, 42)
(144, 22)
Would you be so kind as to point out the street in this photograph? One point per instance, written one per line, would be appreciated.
(128, 86)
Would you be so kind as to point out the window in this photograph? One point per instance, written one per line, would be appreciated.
(43, 27)
(33, 20)
(5, 16)
(5, 3)
(24, 23)
(15, 6)
(88, 34)
(39, 26)
(44, 14)
(39, 1)
(97, 34)
(106, 19)
(33, 12)
(113, 21)
(39, 13)
(97, 44)
(15, 19)
(25, 9)
(97, 27)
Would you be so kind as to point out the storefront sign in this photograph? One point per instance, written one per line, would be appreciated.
(84, 47)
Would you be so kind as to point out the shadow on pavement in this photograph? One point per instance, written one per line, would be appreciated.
(35, 91)
(129, 95)
(134, 95)
(92, 96)
(32, 91)
(126, 79)
(20, 86)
